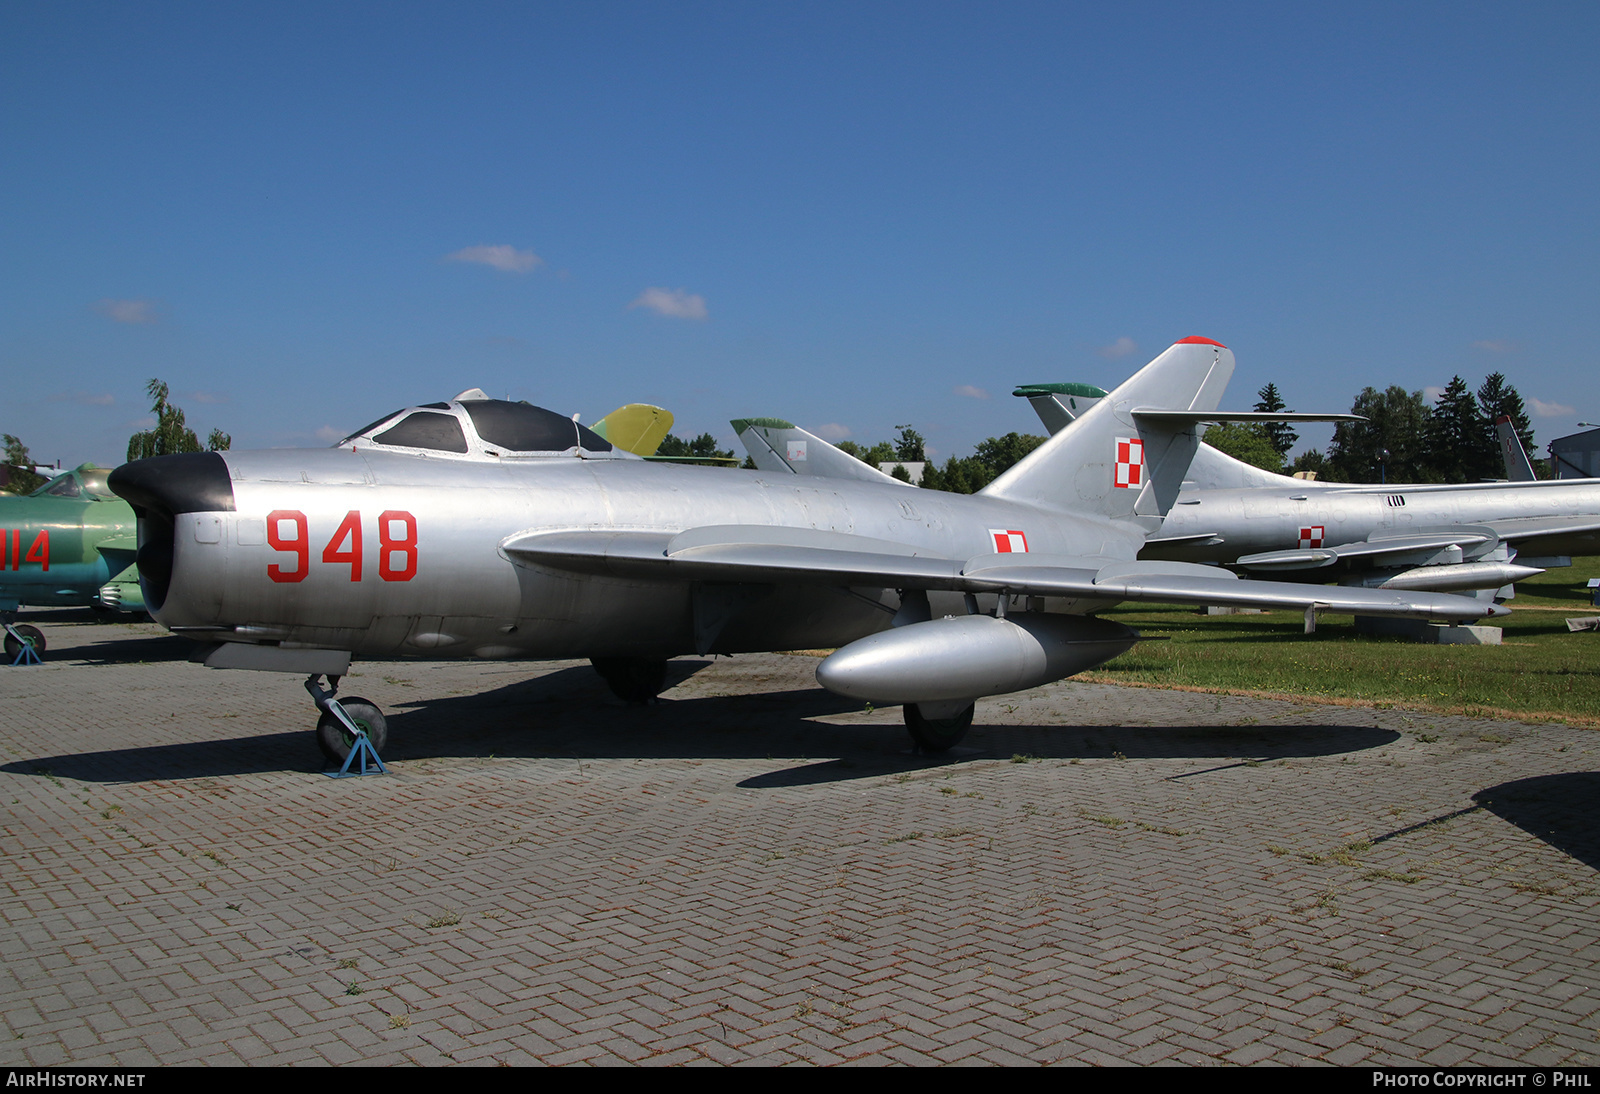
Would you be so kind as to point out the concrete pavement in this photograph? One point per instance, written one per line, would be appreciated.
(754, 871)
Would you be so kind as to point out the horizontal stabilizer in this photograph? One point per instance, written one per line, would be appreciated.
(1157, 414)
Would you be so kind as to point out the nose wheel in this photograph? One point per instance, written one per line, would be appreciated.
(24, 644)
(350, 732)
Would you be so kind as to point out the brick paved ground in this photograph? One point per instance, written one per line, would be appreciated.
(754, 871)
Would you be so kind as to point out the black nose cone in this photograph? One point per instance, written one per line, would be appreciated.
(195, 482)
(160, 488)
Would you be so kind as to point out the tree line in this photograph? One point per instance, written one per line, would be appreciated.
(1402, 440)
(170, 435)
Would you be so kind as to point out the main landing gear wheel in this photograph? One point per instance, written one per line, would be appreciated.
(938, 734)
(335, 740)
(33, 636)
(632, 679)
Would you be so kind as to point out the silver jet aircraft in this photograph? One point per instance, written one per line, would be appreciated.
(1482, 535)
(480, 528)
(1474, 536)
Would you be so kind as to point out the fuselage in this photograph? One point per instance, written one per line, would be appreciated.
(390, 554)
(51, 541)
(1272, 517)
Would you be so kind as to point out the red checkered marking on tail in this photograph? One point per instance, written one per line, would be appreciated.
(1130, 463)
(1312, 536)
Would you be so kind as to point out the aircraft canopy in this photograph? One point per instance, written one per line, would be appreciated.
(486, 427)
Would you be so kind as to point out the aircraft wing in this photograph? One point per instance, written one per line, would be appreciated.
(1554, 535)
(1369, 550)
(119, 551)
(761, 554)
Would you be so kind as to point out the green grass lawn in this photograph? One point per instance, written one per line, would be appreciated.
(1543, 671)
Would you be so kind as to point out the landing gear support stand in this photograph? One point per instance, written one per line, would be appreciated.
(26, 644)
(361, 746)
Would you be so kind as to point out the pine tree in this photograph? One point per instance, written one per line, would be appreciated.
(1454, 435)
(1497, 398)
(1279, 433)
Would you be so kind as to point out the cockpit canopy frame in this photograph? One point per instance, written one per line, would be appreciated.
(482, 428)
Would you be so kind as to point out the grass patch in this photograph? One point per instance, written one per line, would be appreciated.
(1543, 672)
(1102, 818)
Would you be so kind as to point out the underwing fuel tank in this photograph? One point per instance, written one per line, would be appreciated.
(1462, 575)
(966, 657)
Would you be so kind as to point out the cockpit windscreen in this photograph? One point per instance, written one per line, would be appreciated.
(521, 427)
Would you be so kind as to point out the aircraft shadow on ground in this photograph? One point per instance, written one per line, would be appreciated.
(569, 713)
(1562, 810)
(131, 651)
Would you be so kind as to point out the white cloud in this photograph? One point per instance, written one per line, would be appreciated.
(1432, 393)
(503, 257)
(128, 311)
(967, 391)
(674, 302)
(1120, 348)
(329, 434)
(833, 432)
(1494, 345)
(207, 397)
(1542, 409)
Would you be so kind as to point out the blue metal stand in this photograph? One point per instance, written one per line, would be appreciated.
(361, 745)
(27, 655)
(362, 748)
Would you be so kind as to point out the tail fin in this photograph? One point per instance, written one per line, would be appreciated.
(779, 446)
(1518, 469)
(1123, 457)
(638, 428)
(1059, 405)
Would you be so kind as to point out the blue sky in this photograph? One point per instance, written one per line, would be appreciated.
(849, 215)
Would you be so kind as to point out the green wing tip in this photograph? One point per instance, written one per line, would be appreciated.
(1082, 391)
(742, 424)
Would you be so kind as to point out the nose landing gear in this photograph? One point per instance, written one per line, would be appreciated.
(349, 729)
(23, 643)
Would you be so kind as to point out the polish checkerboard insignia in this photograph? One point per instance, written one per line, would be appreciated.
(1312, 536)
(1009, 541)
(1130, 463)
(797, 451)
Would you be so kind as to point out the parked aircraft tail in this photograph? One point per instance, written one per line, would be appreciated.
(783, 447)
(638, 428)
(1518, 469)
(1125, 457)
(1059, 405)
